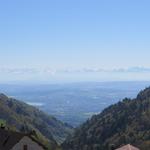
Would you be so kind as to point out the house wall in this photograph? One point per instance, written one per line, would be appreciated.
(27, 141)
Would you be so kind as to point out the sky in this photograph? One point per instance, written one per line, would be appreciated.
(74, 40)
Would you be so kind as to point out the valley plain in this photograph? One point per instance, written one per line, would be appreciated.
(74, 103)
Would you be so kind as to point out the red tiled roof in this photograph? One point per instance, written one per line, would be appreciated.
(128, 147)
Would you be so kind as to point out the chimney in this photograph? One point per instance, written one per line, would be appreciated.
(112, 147)
(2, 126)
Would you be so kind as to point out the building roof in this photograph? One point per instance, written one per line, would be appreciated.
(8, 139)
(128, 147)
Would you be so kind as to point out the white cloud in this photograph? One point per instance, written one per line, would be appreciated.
(82, 70)
(96, 70)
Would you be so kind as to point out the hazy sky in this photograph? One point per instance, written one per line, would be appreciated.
(73, 34)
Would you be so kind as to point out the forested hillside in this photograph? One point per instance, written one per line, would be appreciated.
(126, 122)
(25, 118)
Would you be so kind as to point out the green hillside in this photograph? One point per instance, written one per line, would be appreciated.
(22, 117)
(126, 122)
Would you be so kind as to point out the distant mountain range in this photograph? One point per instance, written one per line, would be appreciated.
(25, 118)
(128, 121)
(80, 70)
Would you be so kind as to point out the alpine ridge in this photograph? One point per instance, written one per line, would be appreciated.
(128, 121)
(25, 118)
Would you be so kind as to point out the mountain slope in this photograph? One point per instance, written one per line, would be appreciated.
(125, 122)
(25, 118)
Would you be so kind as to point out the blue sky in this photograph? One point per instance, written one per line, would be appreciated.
(60, 35)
